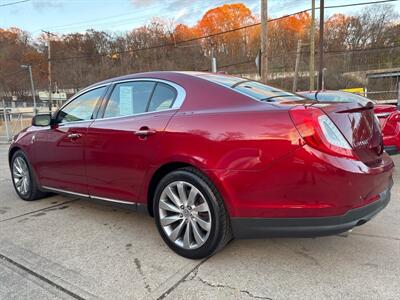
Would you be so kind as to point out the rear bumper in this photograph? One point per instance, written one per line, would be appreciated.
(308, 227)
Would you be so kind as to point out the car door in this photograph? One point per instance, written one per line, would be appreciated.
(62, 166)
(128, 139)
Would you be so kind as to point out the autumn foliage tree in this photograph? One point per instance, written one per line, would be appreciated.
(80, 59)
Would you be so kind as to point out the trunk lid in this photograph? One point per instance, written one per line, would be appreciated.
(359, 126)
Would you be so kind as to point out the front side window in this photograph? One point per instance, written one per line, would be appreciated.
(131, 98)
(82, 107)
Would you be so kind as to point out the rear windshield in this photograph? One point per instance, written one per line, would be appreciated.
(338, 97)
(254, 89)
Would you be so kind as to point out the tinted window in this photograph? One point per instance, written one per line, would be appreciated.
(163, 97)
(310, 96)
(222, 79)
(82, 107)
(129, 98)
(330, 97)
(252, 88)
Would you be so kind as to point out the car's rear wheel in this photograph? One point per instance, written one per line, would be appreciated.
(190, 214)
(23, 178)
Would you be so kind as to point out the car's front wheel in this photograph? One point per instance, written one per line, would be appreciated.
(23, 178)
(190, 214)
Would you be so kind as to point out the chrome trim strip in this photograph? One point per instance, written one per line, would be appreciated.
(64, 191)
(112, 200)
(88, 196)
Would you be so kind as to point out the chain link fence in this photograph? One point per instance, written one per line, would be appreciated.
(14, 118)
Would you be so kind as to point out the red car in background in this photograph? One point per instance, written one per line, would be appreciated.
(210, 157)
(388, 115)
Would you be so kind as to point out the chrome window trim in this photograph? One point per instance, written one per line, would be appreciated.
(74, 122)
(180, 91)
(179, 99)
(87, 196)
(81, 92)
(135, 115)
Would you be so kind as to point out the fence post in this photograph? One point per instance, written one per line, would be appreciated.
(6, 121)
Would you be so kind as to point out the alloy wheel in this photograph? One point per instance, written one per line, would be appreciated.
(185, 215)
(21, 175)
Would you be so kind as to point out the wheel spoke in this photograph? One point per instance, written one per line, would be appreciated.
(192, 196)
(169, 220)
(18, 166)
(186, 238)
(24, 185)
(201, 208)
(16, 173)
(174, 198)
(203, 224)
(196, 233)
(182, 193)
(169, 207)
(176, 232)
(18, 181)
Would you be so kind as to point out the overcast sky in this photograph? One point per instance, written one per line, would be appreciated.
(64, 16)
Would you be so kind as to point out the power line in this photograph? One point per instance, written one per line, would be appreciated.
(183, 41)
(122, 21)
(360, 3)
(218, 33)
(14, 3)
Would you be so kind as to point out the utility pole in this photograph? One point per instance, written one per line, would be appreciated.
(296, 68)
(321, 44)
(312, 46)
(213, 60)
(29, 67)
(49, 34)
(264, 41)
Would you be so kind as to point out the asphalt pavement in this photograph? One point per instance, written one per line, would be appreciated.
(71, 248)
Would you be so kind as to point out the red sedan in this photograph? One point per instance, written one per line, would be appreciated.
(388, 115)
(211, 157)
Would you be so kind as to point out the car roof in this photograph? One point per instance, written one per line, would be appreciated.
(166, 75)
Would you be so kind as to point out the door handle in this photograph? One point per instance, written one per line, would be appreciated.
(145, 132)
(74, 136)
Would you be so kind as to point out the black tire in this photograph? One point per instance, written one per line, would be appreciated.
(220, 233)
(34, 191)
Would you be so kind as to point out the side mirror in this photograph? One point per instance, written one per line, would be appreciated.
(42, 120)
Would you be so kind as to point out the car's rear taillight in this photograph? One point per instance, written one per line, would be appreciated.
(319, 132)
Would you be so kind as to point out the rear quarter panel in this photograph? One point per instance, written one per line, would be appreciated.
(222, 132)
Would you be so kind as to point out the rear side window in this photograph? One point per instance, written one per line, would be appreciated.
(129, 98)
(163, 97)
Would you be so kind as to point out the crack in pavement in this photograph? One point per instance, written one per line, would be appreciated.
(38, 210)
(37, 275)
(184, 277)
(218, 285)
(139, 268)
